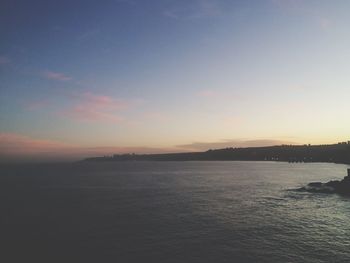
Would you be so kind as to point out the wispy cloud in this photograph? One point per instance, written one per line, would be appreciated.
(102, 101)
(100, 108)
(88, 34)
(129, 2)
(194, 10)
(56, 75)
(289, 4)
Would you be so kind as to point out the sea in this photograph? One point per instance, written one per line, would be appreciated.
(172, 212)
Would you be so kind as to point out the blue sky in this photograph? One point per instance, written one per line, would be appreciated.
(132, 75)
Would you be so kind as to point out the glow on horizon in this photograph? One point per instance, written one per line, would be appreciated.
(172, 76)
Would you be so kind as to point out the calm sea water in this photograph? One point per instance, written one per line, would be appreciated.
(171, 212)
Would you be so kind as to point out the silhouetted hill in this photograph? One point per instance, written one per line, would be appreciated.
(336, 153)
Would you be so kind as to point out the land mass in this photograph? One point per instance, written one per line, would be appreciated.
(334, 153)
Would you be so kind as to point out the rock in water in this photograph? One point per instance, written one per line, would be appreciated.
(339, 187)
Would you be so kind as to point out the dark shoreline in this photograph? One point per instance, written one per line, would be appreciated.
(341, 187)
(334, 153)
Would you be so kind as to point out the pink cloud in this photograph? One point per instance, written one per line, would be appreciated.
(4, 60)
(56, 76)
(102, 101)
(12, 143)
(92, 107)
(81, 112)
(325, 23)
(207, 93)
(17, 147)
(218, 95)
(156, 116)
(36, 105)
(232, 121)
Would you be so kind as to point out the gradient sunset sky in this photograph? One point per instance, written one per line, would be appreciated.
(80, 78)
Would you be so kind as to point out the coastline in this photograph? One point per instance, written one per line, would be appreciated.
(334, 153)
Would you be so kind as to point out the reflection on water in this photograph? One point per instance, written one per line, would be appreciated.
(172, 212)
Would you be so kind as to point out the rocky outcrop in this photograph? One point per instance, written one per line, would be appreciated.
(339, 187)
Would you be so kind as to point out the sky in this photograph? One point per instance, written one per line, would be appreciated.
(84, 78)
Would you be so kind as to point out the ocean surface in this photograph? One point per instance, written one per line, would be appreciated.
(171, 212)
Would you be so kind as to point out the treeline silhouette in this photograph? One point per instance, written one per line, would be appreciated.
(335, 153)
